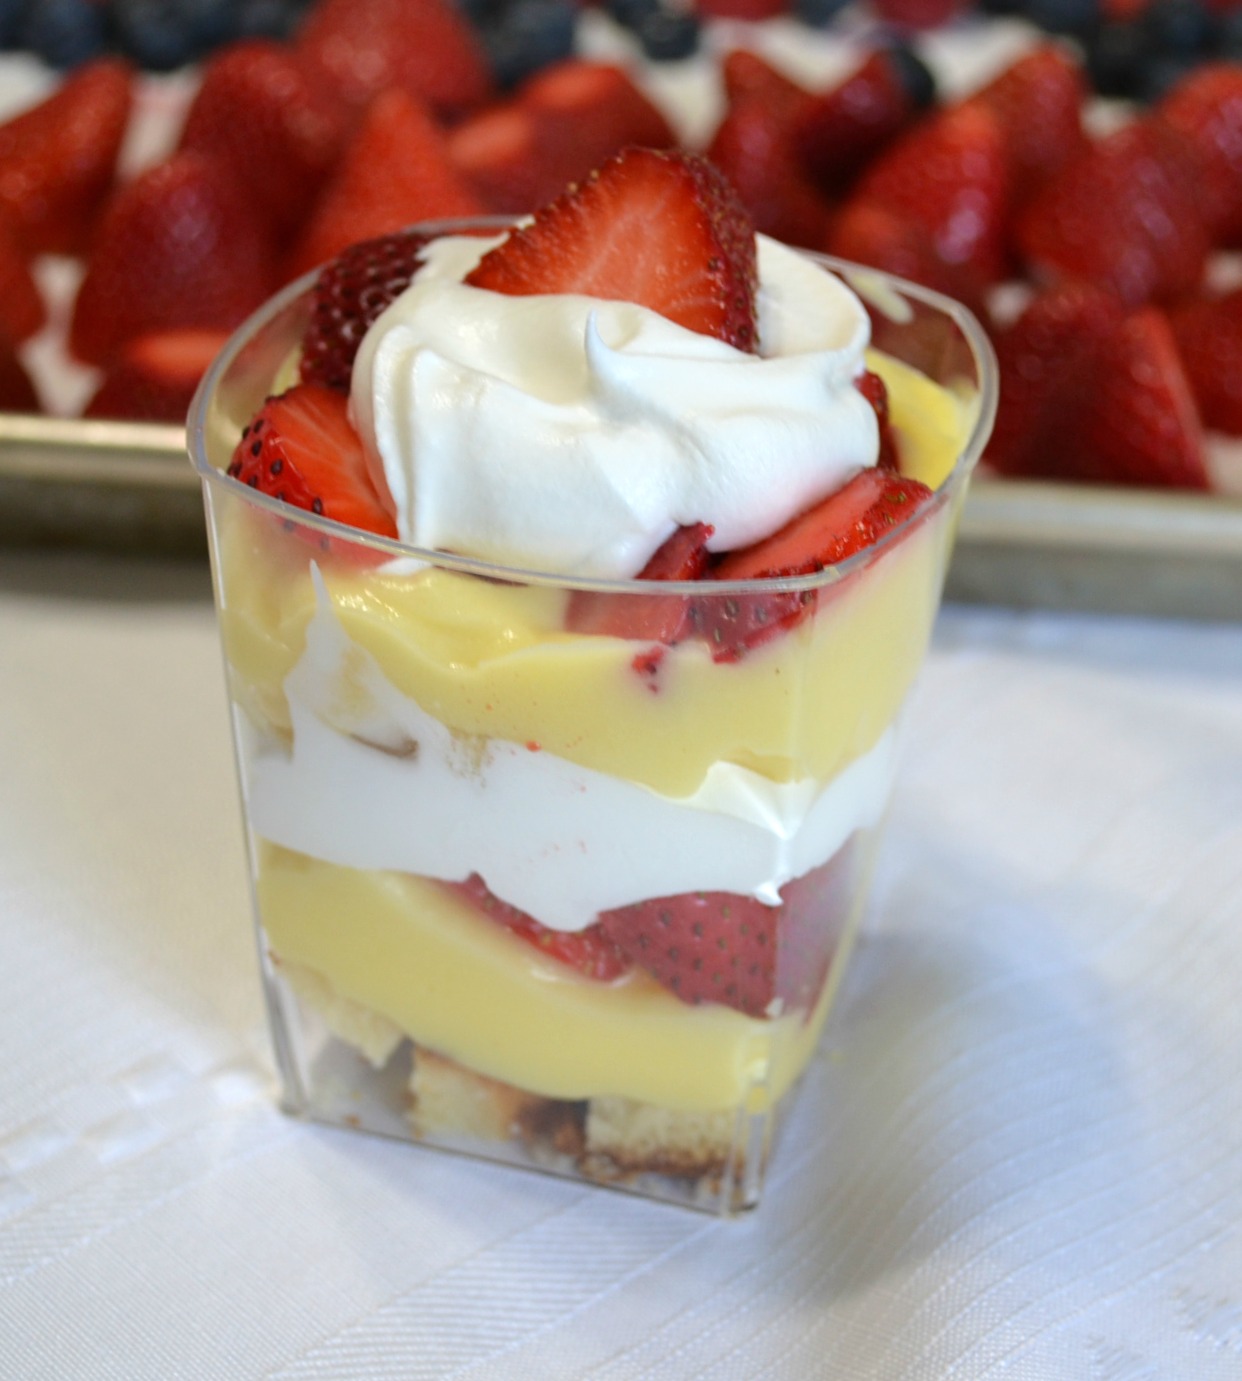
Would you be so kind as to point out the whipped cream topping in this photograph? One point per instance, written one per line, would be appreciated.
(560, 841)
(573, 435)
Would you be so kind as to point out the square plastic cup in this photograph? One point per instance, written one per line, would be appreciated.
(526, 885)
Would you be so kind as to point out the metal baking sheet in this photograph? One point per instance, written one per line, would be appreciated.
(129, 486)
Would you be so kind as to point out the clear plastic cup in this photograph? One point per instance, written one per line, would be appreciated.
(460, 787)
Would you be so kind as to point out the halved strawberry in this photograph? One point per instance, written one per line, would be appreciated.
(951, 175)
(1140, 425)
(300, 448)
(1038, 100)
(857, 515)
(350, 293)
(497, 151)
(1208, 331)
(729, 949)
(746, 76)
(590, 952)
(57, 159)
(653, 618)
(839, 131)
(256, 110)
(875, 391)
(1049, 356)
(663, 230)
(178, 247)
(1205, 109)
(357, 48)
(1122, 214)
(396, 171)
(155, 376)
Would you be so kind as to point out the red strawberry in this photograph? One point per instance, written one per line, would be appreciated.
(396, 171)
(585, 112)
(753, 148)
(663, 230)
(301, 449)
(890, 240)
(154, 377)
(350, 293)
(21, 304)
(1205, 109)
(358, 48)
(498, 152)
(917, 14)
(875, 391)
(1049, 357)
(58, 159)
(949, 174)
(590, 952)
(1039, 101)
(724, 948)
(858, 515)
(177, 248)
(653, 618)
(1122, 214)
(839, 131)
(1140, 425)
(748, 77)
(256, 111)
(17, 393)
(1208, 331)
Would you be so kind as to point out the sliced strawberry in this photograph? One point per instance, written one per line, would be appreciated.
(748, 77)
(350, 293)
(663, 230)
(154, 377)
(497, 151)
(753, 147)
(1123, 214)
(58, 159)
(1049, 357)
(875, 391)
(840, 130)
(724, 948)
(950, 175)
(1038, 101)
(22, 311)
(589, 952)
(301, 448)
(178, 247)
(356, 49)
(1205, 109)
(653, 618)
(258, 113)
(1208, 331)
(1140, 425)
(395, 172)
(858, 515)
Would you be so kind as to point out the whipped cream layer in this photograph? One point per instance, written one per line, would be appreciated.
(573, 435)
(374, 782)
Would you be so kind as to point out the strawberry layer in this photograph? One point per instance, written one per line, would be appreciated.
(405, 950)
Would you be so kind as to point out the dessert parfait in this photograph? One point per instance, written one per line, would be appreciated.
(572, 576)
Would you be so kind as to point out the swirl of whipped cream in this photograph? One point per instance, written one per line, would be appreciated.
(573, 435)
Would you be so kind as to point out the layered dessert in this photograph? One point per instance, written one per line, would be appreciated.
(572, 578)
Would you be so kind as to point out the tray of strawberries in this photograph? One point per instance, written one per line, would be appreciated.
(1094, 227)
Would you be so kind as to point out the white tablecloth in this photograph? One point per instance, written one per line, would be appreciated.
(1018, 1154)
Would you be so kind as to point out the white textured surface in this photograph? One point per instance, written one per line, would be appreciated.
(1019, 1154)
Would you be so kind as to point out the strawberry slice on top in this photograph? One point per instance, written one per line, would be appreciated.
(302, 449)
(661, 229)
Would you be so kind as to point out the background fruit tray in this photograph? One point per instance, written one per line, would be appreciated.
(128, 486)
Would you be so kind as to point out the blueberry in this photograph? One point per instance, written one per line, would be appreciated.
(669, 35)
(63, 33)
(1229, 36)
(818, 14)
(268, 19)
(1074, 18)
(528, 37)
(1161, 72)
(11, 15)
(1179, 28)
(914, 74)
(161, 35)
(1116, 58)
